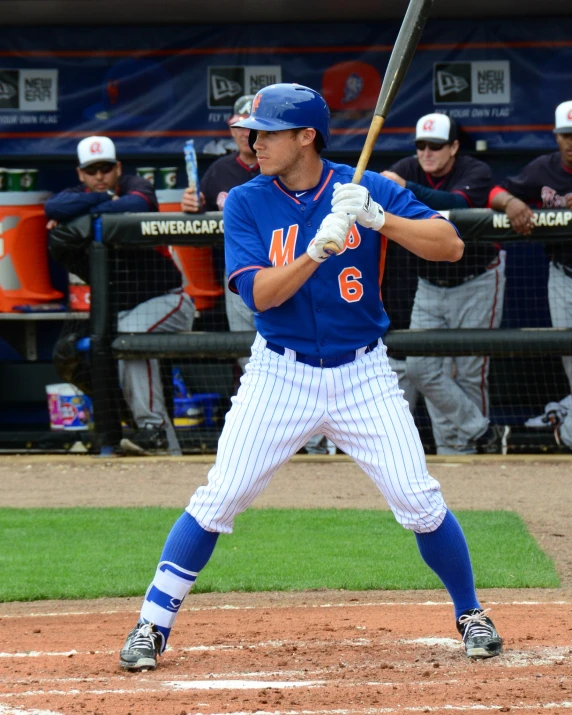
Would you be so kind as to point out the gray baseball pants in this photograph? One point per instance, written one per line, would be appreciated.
(140, 379)
(456, 389)
(560, 303)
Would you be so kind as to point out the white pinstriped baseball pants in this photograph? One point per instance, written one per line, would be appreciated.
(281, 403)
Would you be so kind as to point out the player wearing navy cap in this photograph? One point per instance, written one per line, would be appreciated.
(318, 363)
(546, 182)
(466, 294)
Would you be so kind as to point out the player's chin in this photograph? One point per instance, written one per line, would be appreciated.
(265, 168)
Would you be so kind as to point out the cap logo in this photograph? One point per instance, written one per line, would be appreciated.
(569, 115)
(429, 125)
(256, 102)
(96, 148)
(353, 88)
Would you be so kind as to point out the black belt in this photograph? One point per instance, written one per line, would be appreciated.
(451, 282)
(315, 361)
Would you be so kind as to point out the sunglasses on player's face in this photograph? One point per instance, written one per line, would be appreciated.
(421, 146)
(105, 167)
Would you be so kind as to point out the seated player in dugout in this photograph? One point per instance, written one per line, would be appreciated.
(466, 294)
(318, 363)
(224, 174)
(150, 294)
(546, 182)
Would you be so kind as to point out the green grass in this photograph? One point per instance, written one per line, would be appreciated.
(90, 553)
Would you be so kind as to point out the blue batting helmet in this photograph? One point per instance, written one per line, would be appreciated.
(288, 106)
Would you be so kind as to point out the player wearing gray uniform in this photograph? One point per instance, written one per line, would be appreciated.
(151, 298)
(318, 363)
(546, 182)
(468, 294)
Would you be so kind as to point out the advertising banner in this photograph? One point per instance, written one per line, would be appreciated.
(152, 88)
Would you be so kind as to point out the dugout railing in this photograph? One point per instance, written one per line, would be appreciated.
(533, 340)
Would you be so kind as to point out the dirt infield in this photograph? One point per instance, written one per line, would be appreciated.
(310, 653)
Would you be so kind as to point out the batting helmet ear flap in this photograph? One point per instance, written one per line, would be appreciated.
(251, 139)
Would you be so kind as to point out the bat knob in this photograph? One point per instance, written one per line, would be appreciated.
(331, 248)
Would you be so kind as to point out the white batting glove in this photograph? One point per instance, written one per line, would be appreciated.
(334, 228)
(356, 200)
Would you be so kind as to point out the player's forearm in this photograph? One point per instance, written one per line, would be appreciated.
(435, 199)
(68, 205)
(500, 200)
(273, 286)
(431, 239)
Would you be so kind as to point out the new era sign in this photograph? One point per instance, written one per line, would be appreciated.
(471, 82)
(227, 84)
(29, 90)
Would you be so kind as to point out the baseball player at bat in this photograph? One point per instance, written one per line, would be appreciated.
(318, 363)
(152, 297)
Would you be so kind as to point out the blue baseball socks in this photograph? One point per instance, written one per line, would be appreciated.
(445, 551)
(187, 550)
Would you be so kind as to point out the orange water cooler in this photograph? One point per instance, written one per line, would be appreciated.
(24, 272)
(196, 264)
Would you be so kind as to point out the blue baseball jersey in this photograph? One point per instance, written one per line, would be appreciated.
(339, 308)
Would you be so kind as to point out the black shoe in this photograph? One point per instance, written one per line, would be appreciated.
(494, 440)
(561, 446)
(141, 648)
(147, 440)
(479, 634)
(553, 419)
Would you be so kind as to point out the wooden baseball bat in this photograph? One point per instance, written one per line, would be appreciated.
(399, 61)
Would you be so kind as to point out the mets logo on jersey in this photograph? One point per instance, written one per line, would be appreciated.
(283, 250)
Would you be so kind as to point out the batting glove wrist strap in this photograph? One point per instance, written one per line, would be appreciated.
(356, 200)
(334, 228)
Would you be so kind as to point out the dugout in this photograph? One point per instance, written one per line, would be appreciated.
(176, 63)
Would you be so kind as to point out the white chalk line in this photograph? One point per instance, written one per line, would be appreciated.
(449, 707)
(358, 643)
(176, 685)
(228, 681)
(5, 710)
(533, 655)
(229, 607)
(403, 708)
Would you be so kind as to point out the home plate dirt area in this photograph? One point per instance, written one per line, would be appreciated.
(309, 653)
(301, 654)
